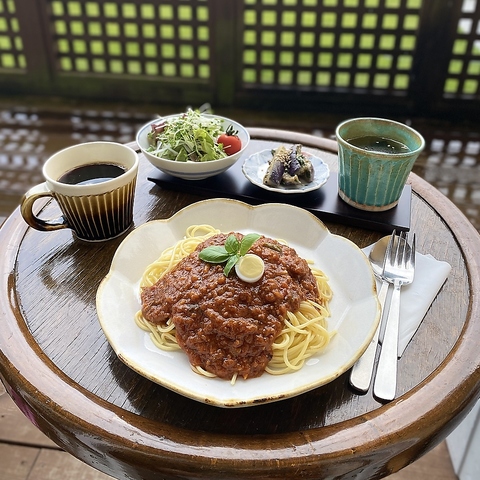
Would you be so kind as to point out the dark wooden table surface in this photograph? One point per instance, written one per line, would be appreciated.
(60, 370)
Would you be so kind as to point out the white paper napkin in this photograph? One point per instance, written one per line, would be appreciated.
(416, 298)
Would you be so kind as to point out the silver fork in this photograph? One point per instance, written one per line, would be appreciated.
(399, 270)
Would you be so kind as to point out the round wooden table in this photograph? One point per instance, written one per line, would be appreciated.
(60, 370)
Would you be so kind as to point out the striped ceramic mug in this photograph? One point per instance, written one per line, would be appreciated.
(94, 186)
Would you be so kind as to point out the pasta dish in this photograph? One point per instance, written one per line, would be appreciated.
(230, 328)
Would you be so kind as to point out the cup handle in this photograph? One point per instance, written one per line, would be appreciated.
(26, 209)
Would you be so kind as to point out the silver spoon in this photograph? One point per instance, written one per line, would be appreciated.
(377, 256)
(362, 372)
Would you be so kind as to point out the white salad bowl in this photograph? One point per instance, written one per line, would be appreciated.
(193, 170)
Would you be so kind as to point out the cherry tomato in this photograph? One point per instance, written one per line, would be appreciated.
(230, 141)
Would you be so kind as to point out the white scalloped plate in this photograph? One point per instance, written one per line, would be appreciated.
(354, 307)
(256, 165)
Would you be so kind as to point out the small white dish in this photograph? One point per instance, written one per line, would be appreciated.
(256, 165)
(354, 308)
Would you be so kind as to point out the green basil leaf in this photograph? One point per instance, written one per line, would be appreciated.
(247, 241)
(232, 244)
(230, 264)
(214, 254)
(230, 252)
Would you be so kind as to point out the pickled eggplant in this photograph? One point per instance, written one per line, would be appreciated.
(289, 167)
(276, 168)
(294, 165)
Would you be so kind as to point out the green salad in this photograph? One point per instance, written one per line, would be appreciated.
(190, 136)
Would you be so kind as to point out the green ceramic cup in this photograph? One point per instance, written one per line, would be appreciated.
(375, 157)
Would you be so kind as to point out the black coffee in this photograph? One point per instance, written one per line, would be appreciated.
(92, 173)
(378, 144)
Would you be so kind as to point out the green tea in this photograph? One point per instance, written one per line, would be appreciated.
(373, 143)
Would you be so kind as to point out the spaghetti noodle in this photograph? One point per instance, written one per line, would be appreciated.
(304, 332)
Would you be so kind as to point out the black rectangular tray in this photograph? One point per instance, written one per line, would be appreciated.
(324, 202)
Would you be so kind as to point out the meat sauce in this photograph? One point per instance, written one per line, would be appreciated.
(223, 324)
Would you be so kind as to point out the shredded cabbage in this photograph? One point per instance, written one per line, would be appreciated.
(190, 136)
